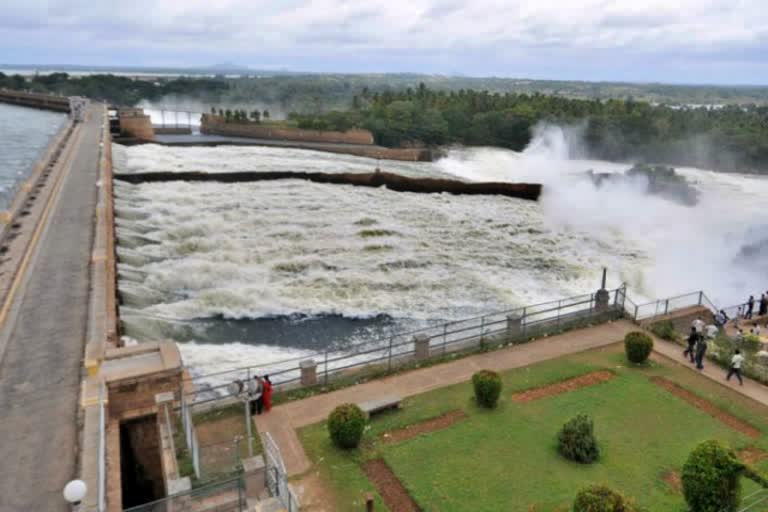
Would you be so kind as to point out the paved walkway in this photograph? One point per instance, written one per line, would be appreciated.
(283, 421)
(40, 371)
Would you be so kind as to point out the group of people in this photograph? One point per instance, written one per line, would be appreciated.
(258, 391)
(747, 310)
(697, 345)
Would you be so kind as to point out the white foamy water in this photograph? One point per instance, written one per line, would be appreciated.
(207, 262)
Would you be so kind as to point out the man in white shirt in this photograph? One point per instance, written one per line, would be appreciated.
(698, 324)
(736, 362)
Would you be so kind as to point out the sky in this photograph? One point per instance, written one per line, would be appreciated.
(680, 41)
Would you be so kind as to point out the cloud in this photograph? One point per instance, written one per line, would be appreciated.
(427, 31)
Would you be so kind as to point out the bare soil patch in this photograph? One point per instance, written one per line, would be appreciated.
(707, 407)
(315, 495)
(423, 427)
(672, 478)
(751, 455)
(389, 486)
(589, 379)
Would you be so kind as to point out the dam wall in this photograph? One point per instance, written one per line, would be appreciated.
(216, 125)
(35, 100)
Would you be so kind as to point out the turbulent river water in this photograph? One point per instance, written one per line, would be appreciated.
(24, 135)
(250, 273)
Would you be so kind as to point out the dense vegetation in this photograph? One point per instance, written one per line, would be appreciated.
(730, 138)
(119, 90)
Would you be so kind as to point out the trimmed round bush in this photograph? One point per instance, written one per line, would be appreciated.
(487, 386)
(599, 498)
(711, 478)
(346, 424)
(576, 440)
(638, 346)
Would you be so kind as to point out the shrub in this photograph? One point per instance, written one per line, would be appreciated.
(576, 440)
(751, 343)
(711, 478)
(487, 386)
(638, 346)
(346, 424)
(665, 330)
(599, 498)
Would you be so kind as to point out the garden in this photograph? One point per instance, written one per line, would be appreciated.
(623, 431)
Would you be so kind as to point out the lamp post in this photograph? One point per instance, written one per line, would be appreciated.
(74, 493)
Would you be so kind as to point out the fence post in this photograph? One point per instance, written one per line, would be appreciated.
(637, 308)
(666, 306)
(701, 297)
(389, 358)
(248, 428)
(445, 337)
(326, 368)
(524, 321)
(559, 305)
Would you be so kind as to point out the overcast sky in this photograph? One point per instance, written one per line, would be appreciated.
(681, 41)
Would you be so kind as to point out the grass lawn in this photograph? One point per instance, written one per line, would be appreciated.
(506, 459)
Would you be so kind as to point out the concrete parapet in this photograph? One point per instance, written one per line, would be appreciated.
(514, 325)
(602, 299)
(308, 372)
(218, 125)
(135, 123)
(421, 347)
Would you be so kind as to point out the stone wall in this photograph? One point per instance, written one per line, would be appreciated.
(216, 125)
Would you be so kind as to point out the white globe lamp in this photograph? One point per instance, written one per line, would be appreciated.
(74, 493)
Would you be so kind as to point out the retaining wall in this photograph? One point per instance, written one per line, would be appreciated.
(35, 100)
(216, 125)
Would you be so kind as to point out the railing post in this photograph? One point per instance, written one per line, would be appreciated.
(326, 368)
(637, 308)
(559, 305)
(445, 337)
(666, 306)
(389, 358)
(247, 409)
(524, 321)
(701, 297)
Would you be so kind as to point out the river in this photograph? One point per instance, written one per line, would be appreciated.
(24, 135)
(255, 272)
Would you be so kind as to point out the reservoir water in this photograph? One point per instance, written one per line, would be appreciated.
(245, 274)
(24, 135)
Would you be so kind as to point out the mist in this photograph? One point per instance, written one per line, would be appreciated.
(684, 248)
(177, 107)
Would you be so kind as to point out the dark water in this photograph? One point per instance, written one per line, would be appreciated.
(24, 135)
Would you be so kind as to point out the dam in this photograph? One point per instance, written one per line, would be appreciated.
(131, 303)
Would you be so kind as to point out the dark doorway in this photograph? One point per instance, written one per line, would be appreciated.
(140, 463)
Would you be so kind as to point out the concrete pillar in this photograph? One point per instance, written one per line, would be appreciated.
(602, 300)
(308, 372)
(421, 346)
(255, 476)
(514, 325)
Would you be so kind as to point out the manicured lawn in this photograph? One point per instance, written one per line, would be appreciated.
(506, 459)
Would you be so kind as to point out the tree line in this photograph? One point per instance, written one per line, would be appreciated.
(728, 138)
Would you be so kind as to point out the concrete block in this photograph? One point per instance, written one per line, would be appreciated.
(308, 372)
(255, 475)
(179, 486)
(602, 299)
(421, 346)
(514, 324)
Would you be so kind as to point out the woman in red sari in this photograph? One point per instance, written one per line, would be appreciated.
(267, 393)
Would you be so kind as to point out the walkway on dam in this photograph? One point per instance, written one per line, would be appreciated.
(42, 340)
(283, 421)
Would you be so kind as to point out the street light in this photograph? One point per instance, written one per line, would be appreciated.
(74, 493)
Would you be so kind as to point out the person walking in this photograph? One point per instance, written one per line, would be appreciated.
(736, 361)
(692, 338)
(255, 392)
(750, 307)
(698, 324)
(763, 308)
(701, 349)
(267, 394)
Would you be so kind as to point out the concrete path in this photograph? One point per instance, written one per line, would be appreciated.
(40, 371)
(283, 421)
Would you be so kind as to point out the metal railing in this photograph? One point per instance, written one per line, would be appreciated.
(277, 476)
(510, 326)
(102, 490)
(663, 307)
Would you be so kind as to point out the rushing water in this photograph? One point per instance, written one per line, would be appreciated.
(253, 272)
(24, 135)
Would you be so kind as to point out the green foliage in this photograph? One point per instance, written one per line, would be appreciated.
(487, 386)
(665, 330)
(638, 346)
(345, 425)
(711, 479)
(576, 440)
(751, 343)
(599, 498)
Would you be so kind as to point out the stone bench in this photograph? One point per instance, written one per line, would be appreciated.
(370, 407)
